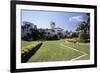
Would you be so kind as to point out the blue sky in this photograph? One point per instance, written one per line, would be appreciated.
(65, 20)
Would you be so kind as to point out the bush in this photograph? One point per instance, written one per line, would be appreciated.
(26, 53)
(83, 36)
(74, 40)
(27, 48)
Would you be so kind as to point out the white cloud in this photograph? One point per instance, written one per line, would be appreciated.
(77, 18)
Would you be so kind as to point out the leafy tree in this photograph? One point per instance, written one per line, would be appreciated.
(35, 34)
(74, 34)
(68, 33)
(84, 26)
(84, 29)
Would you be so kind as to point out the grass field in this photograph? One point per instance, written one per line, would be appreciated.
(60, 50)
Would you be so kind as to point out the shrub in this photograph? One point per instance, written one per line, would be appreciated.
(27, 48)
(26, 53)
(83, 35)
(74, 40)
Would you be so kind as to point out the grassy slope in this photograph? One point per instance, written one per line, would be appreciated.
(26, 43)
(53, 51)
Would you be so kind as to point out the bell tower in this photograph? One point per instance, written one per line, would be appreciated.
(52, 25)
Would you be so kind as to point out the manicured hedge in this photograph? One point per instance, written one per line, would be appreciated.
(74, 40)
(27, 49)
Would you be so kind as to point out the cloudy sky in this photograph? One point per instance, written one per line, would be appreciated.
(65, 20)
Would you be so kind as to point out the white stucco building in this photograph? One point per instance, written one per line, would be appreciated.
(27, 28)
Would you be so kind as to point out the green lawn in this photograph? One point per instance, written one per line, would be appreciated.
(26, 43)
(59, 50)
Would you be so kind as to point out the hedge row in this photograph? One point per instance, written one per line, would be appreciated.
(25, 51)
(75, 40)
(27, 48)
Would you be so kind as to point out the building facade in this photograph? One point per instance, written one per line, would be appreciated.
(28, 28)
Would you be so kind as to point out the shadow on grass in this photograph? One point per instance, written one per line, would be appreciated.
(27, 56)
